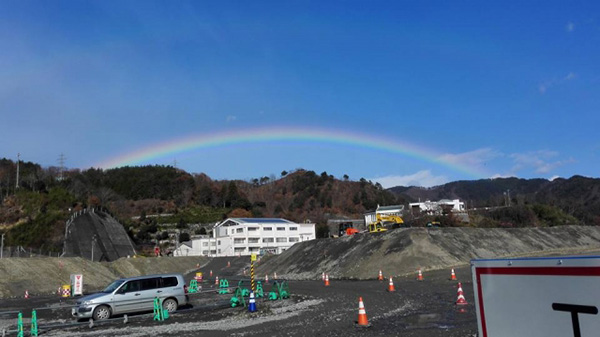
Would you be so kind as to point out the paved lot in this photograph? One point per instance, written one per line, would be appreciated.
(415, 309)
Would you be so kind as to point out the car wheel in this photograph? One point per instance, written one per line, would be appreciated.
(170, 305)
(101, 313)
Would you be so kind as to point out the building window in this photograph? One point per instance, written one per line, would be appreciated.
(239, 249)
(280, 228)
(219, 251)
(239, 240)
(267, 228)
(281, 239)
(254, 249)
(253, 240)
(267, 240)
(213, 243)
(293, 228)
(294, 239)
(239, 230)
(252, 229)
(205, 252)
(204, 244)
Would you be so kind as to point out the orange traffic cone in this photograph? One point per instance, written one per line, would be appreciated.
(217, 281)
(460, 296)
(452, 275)
(380, 278)
(228, 264)
(26, 294)
(362, 314)
(323, 276)
(211, 273)
(391, 286)
(461, 299)
(420, 276)
(327, 280)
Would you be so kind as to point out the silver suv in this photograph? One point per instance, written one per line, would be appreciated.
(134, 294)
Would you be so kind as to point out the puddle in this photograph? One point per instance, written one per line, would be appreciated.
(426, 321)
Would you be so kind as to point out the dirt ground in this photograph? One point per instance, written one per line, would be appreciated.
(416, 309)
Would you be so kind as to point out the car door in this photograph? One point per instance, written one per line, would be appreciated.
(126, 299)
(149, 289)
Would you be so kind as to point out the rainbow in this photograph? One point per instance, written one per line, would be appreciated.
(282, 135)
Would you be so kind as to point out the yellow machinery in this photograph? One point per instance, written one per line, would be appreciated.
(383, 220)
(376, 227)
(389, 218)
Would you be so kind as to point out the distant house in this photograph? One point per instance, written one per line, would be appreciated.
(184, 249)
(444, 206)
(371, 217)
(245, 236)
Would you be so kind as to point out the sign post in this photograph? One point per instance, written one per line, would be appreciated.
(76, 284)
(252, 259)
(537, 297)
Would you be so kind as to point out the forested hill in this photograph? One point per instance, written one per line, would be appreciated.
(577, 196)
(34, 213)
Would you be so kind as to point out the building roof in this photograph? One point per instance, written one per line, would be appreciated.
(261, 220)
(389, 208)
(258, 221)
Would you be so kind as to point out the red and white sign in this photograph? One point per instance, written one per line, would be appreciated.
(76, 284)
(537, 297)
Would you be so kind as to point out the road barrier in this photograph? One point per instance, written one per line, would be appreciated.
(160, 313)
(223, 286)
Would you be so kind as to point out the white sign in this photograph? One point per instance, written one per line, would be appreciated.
(538, 297)
(76, 284)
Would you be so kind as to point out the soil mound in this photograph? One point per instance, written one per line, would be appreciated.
(403, 251)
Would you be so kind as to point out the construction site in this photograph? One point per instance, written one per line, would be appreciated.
(407, 279)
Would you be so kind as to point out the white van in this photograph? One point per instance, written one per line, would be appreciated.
(135, 294)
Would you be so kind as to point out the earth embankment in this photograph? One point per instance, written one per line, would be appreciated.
(403, 251)
(45, 275)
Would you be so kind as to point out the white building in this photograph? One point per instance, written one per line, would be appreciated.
(371, 217)
(437, 207)
(245, 236)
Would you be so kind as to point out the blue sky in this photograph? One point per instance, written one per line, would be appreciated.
(508, 88)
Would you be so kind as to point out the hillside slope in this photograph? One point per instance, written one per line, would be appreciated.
(403, 251)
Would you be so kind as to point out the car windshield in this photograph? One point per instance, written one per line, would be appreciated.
(113, 286)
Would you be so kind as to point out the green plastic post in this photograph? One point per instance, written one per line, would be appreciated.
(158, 310)
(20, 332)
(223, 286)
(193, 287)
(284, 290)
(259, 290)
(34, 325)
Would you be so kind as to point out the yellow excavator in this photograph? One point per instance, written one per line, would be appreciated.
(383, 221)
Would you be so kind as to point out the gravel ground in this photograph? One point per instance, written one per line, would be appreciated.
(416, 309)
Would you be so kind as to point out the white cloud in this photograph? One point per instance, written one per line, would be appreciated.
(476, 158)
(422, 178)
(554, 178)
(544, 86)
(499, 175)
(231, 119)
(570, 27)
(541, 161)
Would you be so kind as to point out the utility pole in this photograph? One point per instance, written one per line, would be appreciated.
(2, 247)
(93, 241)
(18, 160)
